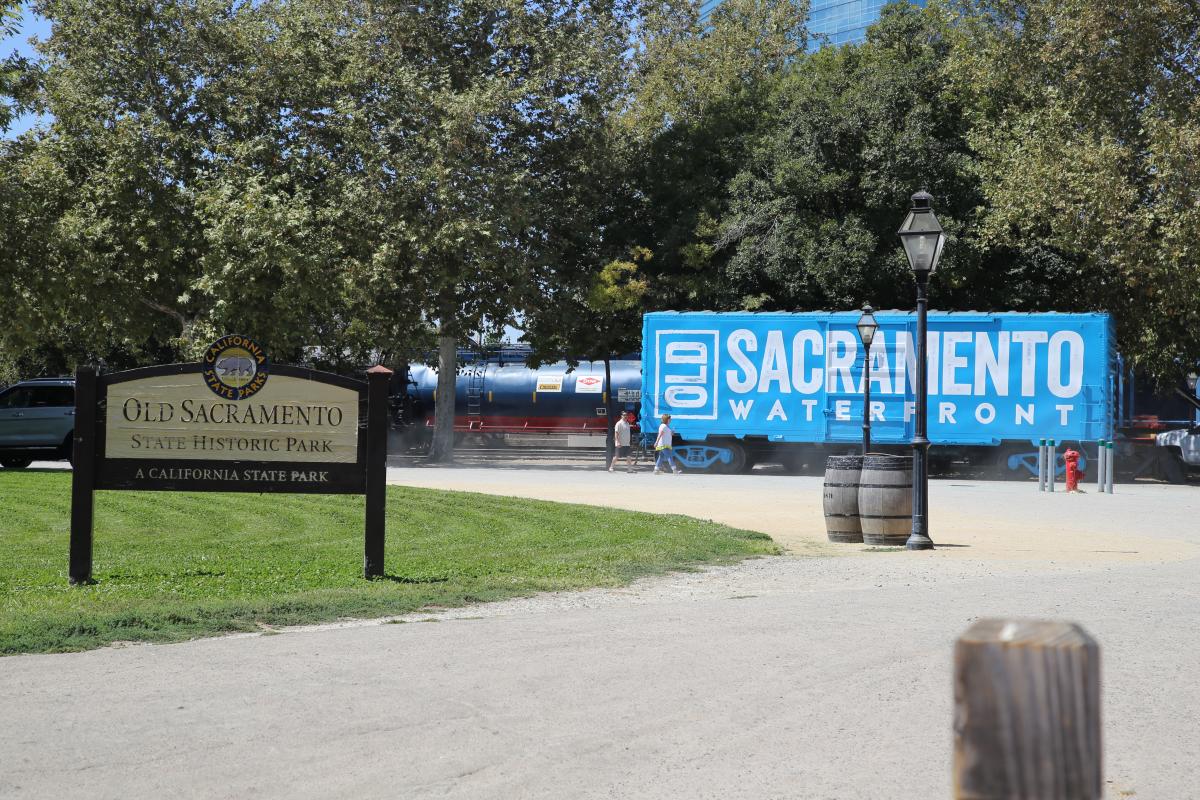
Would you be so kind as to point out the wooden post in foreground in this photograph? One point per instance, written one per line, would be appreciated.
(1027, 712)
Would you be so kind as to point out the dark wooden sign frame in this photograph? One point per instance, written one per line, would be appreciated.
(94, 471)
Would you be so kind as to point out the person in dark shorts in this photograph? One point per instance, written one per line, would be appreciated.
(622, 432)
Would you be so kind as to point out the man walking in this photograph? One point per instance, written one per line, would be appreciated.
(622, 432)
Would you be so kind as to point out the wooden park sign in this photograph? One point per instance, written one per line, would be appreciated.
(232, 422)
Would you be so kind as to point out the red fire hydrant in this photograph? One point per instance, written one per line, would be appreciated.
(1071, 459)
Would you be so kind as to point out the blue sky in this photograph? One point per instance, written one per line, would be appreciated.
(31, 25)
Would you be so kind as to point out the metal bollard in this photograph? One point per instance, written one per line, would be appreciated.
(1109, 468)
(1041, 465)
(1051, 464)
(1101, 463)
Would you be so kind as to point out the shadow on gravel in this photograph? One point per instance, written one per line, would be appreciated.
(936, 546)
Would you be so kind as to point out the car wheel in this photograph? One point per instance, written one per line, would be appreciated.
(15, 463)
(1171, 467)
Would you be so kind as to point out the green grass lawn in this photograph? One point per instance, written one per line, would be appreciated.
(175, 566)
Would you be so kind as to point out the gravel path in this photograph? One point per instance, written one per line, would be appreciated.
(1008, 523)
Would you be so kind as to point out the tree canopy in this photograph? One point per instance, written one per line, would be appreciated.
(1085, 118)
(347, 180)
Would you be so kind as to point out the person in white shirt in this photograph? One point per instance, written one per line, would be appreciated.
(662, 447)
(622, 432)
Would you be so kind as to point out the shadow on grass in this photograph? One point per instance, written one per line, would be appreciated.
(410, 580)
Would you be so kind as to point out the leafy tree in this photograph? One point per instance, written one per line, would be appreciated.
(688, 64)
(15, 71)
(700, 92)
(467, 121)
(597, 318)
(194, 182)
(808, 192)
(848, 134)
(1085, 118)
(183, 187)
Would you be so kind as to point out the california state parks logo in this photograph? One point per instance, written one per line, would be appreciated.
(235, 367)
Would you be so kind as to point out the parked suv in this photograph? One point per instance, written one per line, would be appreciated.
(37, 420)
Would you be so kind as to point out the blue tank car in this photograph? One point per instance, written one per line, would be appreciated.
(500, 394)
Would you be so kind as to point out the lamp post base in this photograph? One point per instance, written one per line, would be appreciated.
(918, 541)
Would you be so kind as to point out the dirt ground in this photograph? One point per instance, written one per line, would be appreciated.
(810, 678)
(1001, 521)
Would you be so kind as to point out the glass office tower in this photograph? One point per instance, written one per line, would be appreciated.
(706, 7)
(835, 21)
(843, 21)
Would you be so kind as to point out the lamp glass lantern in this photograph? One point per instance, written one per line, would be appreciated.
(922, 236)
(867, 326)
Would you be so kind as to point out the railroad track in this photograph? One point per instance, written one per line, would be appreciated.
(502, 455)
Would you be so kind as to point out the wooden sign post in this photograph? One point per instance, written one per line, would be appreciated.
(1027, 712)
(376, 477)
(83, 475)
(232, 422)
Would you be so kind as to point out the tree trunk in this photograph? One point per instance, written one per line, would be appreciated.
(610, 445)
(444, 402)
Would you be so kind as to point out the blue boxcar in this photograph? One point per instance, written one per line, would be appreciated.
(798, 377)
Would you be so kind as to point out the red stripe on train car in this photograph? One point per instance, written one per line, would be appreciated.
(499, 424)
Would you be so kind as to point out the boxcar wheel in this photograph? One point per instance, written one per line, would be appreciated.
(793, 462)
(998, 468)
(737, 462)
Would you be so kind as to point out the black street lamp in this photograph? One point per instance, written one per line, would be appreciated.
(866, 331)
(923, 239)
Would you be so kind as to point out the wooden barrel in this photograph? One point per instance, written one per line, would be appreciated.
(841, 498)
(885, 499)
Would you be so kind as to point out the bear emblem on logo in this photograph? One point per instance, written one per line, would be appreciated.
(235, 367)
